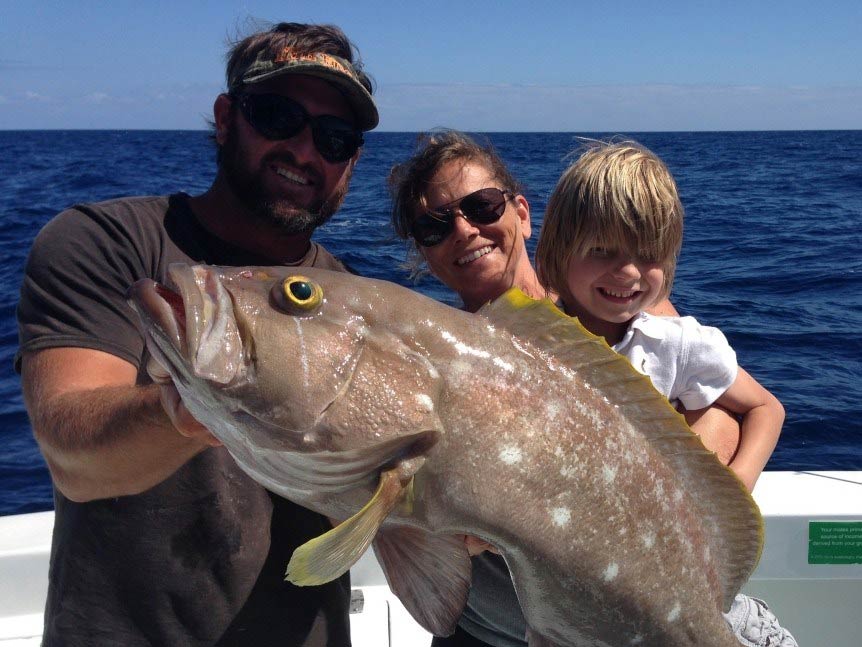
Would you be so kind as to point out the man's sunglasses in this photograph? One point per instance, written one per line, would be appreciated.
(481, 207)
(277, 117)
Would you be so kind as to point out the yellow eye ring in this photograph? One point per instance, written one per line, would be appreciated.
(299, 294)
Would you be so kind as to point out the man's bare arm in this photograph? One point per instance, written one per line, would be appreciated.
(101, 435)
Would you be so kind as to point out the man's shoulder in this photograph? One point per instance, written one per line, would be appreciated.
(113, 218)
(115, 209)
(130, 206)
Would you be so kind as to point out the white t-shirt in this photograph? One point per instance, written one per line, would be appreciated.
(686, 361)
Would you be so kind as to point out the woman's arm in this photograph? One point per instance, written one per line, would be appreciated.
(718, 429)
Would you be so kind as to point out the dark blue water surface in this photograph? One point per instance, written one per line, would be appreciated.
(772, 254)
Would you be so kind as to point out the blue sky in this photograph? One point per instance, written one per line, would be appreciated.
(474, 65)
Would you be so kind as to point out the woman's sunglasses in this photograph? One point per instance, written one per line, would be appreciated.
(481, 207)
(277, 117)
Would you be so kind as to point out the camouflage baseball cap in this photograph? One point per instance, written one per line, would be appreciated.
(328, 67)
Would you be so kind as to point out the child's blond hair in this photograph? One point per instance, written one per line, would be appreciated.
(617, 196)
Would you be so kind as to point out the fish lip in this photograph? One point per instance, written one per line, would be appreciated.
(182, 314)
(181, 281)
(170, 306)
(151, 301)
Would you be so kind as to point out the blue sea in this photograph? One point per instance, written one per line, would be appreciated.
(772, 254)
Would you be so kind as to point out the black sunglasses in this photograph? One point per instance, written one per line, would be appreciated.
(278, 117)
(481, 207)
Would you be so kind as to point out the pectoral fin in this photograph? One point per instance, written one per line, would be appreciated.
(324, 558)
(429, 573)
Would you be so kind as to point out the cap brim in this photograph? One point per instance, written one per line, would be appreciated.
(357, 96)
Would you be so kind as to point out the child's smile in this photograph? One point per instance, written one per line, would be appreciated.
(623, 296)
(609, 288)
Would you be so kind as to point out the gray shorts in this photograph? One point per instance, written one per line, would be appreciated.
(754, 625)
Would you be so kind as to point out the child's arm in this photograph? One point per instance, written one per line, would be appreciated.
(762, 417)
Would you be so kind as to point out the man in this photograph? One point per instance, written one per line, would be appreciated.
(159, 538)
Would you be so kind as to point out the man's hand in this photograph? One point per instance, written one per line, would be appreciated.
(172, 403)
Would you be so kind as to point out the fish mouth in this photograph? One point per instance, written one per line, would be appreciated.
(191, 322)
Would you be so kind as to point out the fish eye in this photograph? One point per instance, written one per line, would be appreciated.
(298, 295)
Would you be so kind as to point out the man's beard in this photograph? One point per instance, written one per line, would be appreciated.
(287, 217)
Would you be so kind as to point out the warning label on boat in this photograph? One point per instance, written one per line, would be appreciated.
(835, 542)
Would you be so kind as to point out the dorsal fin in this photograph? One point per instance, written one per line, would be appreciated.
(722, 498)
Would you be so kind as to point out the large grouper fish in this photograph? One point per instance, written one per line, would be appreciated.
(418, 423)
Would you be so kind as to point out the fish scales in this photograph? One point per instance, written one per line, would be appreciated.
(418, 423)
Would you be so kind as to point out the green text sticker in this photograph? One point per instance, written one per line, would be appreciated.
(835, 542)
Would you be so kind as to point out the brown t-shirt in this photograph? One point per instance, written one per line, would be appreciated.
(200, 558)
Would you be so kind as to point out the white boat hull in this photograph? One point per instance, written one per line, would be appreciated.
(818, 603)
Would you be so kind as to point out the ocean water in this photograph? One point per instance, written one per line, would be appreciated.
(772, 254)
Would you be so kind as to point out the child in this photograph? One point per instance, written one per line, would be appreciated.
(608, 247)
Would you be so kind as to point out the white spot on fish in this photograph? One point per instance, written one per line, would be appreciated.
(511, 454)
(568, 471)
(648, 538)
(561, 517)
(673, 616)
(522, 349)
(303, 357)
(461, 370)
(500, 363)
(611, 572)
(610, 473)
(425, 402)
(464, 349)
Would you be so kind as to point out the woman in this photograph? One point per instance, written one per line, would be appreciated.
(482, 253)
(468, 220)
